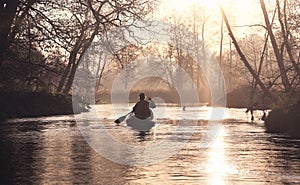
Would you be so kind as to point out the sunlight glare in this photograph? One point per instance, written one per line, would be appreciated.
(181, 6)
(212, 4)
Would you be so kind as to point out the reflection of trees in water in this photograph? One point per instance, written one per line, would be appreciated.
(6, 172)
(40, 153)
(21, 145)
(81, 160)
(287, 153)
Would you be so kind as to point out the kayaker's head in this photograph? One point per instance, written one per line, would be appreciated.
(142, 96)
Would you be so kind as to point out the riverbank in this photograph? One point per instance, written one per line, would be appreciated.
(285, 120)
(239, 98)
(33, 104)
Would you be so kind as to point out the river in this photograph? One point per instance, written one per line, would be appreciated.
(58, 150)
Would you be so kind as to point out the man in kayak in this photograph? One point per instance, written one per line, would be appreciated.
(142, 109)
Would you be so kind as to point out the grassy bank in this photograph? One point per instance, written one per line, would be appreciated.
(33, 104)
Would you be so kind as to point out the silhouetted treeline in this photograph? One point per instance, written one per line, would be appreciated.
(43, 41)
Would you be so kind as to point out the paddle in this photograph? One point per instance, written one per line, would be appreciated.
(122, 118)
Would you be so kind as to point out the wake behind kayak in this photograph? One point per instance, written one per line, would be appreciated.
(140, 124)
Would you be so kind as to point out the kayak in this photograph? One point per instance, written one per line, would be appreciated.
(140, 124)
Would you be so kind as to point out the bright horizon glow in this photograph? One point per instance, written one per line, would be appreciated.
(212, 4)
(239, 12)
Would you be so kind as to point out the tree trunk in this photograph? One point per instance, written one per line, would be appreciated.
(98, 84)
(71, 78)
(64, 77)
(279, 57)
(72, 60)
(221, 42)
(75, 63)
(8, 9)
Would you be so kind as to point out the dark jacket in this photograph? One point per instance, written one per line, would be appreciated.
(142, 109)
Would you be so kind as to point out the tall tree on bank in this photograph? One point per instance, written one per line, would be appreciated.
(279, 57)
(81, 45)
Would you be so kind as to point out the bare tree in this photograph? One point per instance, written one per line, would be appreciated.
(105, 15)
(286, 34)
(278, 55)
(244, 59)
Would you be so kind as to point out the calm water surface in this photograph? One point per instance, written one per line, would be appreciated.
(51, 150)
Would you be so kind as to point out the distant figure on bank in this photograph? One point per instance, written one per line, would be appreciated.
(183, 108)
(251, 111)
(264, 116)
(142, 109)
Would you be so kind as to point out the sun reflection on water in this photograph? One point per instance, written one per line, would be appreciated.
(217, 165)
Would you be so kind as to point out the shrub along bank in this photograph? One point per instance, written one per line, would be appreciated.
(285, 120)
